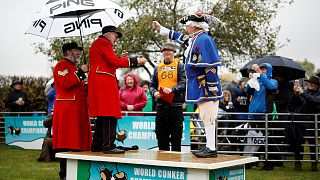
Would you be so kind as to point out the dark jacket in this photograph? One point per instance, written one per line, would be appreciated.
(307, 103)
(14, 96)
(178, 90)
(242, 105)
(283, 97)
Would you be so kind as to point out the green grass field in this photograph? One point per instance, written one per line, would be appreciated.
(22, 164)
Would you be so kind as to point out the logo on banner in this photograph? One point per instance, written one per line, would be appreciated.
(40, 23)
(86, 23)
(26, 132)
(67, 3)
(118, 13)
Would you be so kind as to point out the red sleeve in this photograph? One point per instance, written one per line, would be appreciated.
(65, 75)
(143, 100)
(108, 54)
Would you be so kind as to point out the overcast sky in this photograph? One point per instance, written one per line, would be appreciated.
(299, 23)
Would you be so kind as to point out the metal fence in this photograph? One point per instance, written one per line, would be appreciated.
(232, 138)
(272, 145)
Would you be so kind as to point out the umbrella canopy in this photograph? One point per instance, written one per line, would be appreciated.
(48, 86)
(74, 25)
(60, 7)
(281, 65)
(66, 18)
(76, 18)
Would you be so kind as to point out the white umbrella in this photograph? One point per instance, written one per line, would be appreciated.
(69, 18)
(76, 18)
(48, 86)
(85, 24)
(59, 7)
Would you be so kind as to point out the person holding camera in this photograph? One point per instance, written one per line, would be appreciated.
(305, 102)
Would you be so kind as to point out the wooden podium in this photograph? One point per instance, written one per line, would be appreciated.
(150, 164)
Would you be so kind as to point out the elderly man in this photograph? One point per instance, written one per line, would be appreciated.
(104, 103)
(71, 125)
(203, 83)
(170, 76)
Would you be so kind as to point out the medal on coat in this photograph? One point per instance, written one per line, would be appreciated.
(194, 58)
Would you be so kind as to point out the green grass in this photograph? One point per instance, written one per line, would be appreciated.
(22, 164)
(283, 173)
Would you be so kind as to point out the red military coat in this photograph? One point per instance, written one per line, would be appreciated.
(71, 125)
(102, 82)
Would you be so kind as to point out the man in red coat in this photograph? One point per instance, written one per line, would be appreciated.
(71, 126)
(103, 93)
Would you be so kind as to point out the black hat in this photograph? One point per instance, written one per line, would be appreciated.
(69, 46)
(313, 79)
(192, 17)
(168, 46)
(16, 81)
(111, 29)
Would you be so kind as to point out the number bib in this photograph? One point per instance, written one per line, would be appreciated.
(168, 74)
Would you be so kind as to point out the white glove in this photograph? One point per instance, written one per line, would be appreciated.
(253, 82)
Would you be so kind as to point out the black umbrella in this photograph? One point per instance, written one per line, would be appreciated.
(281, 65)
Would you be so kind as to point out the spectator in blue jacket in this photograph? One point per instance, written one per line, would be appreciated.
(262, 99)
(51, 97)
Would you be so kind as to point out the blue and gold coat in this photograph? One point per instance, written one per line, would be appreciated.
(202, 61)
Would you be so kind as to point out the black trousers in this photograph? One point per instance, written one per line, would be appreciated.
(63, 168)
(169, 126)
(63, 162)
(105, 133)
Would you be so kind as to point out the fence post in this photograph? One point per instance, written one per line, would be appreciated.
(316, 135)
(266, 137)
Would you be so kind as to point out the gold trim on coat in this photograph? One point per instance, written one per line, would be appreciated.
(103, 72)
(66, 99)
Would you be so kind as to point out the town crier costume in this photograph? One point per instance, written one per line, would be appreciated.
(203, 83)
(103, 93)
(71, 126)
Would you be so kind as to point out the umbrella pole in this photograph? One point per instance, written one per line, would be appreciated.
(84, 54)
